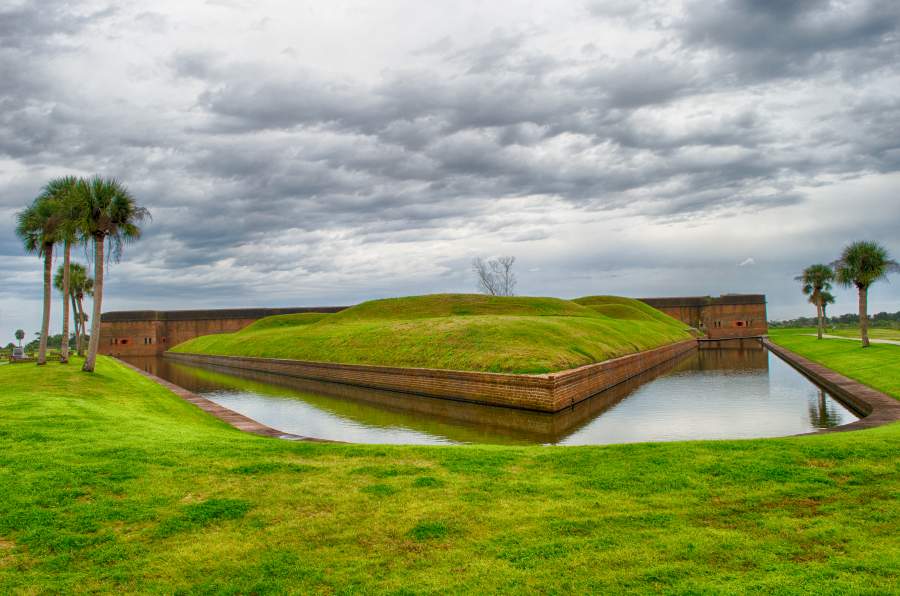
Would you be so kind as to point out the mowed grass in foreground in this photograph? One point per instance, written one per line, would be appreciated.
(109, 483)
(457, 331)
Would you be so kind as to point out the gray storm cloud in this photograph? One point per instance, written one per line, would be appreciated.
(294, 157)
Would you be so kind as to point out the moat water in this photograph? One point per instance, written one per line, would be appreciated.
(730, 393)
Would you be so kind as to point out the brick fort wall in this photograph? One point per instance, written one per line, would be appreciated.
(724, 317)
(152, 332)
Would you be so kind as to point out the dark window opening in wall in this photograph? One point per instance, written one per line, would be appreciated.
(739, 323)
(123, 341)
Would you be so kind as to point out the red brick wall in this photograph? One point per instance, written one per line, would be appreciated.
(548, 393)
(150, 332)
(152, 338)
(735, 320)
(721, 320)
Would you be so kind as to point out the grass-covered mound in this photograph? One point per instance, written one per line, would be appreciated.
(626, 308)
(109, 483)
(455, 331)
(292, 320)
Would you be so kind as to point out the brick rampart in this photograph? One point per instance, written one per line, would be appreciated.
(546, 393)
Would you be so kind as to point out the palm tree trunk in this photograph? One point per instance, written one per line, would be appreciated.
(45, 322)
(76, 315)
(64, 342)
(94, 341)
(863, 316)
(819, 317)
(83, 319)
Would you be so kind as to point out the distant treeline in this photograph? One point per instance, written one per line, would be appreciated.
(53, 341)
(882, 319)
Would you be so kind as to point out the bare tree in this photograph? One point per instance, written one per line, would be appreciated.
(495, 277)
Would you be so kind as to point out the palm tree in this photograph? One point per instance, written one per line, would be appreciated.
(110, 214)
(64, 192)
(80, 284)
(38, 228)
(827, 298)
(862, 264)
(817, 279)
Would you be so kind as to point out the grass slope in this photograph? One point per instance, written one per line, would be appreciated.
(111, 484)
(455, 331)
(604, 304)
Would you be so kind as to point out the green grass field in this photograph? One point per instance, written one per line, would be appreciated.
(109, 483)
(457, 331)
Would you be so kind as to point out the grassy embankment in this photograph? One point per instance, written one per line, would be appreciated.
(110, 483)
(457, 331)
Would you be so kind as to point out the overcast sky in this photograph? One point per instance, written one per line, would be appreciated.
(331, 152)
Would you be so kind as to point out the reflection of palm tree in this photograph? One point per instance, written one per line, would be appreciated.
(820, 416)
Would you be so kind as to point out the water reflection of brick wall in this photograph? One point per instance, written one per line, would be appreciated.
(547, 393)
(369, 406)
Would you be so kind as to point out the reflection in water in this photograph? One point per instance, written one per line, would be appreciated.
(709, 394)
(822, 413)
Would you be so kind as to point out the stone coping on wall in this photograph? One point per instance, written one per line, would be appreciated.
(238, 421)
(128, 316)
(878, 408)
(550, 392)
(701, 301)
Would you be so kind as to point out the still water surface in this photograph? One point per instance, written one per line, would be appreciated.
(711, 394)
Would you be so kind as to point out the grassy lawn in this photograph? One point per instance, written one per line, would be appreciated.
(457, 331)
(109, 483)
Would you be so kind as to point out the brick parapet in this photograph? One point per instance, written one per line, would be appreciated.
(546, 393)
